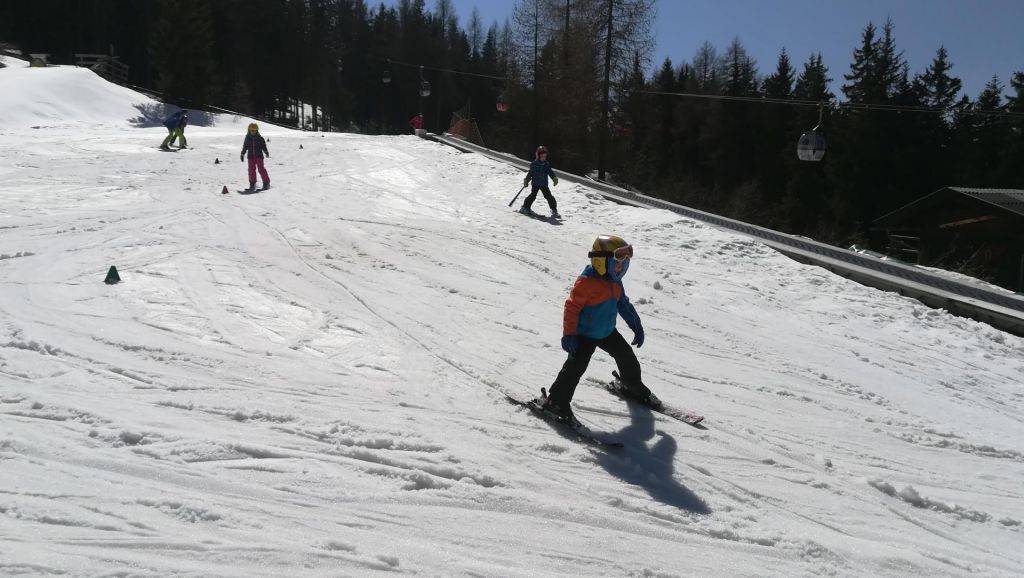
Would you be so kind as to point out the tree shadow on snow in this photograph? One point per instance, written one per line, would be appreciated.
(153, 115)
(652, 467)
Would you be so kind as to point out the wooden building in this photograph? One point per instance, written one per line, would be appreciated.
(978, 232)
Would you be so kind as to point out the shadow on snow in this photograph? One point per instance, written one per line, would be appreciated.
(650, 467)
(153, 115)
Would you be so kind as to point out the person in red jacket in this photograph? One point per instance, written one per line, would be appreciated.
(256, 146)
(416, 122)
(597, 299)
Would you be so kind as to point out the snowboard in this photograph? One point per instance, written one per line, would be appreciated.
(616, 387)
(582, 432)
(251, 191)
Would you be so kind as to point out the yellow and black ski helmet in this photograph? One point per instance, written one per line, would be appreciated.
(606, 249)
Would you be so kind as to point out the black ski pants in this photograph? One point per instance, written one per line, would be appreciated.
(547, 195)
(615, 345)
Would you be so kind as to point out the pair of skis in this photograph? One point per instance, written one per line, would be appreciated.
(539, 217)
(616, 387)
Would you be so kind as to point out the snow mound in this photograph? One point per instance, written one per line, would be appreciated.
(12, 62)
(62, 95)
(69, 96)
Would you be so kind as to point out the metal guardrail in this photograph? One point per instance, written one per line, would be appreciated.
(1003, 310)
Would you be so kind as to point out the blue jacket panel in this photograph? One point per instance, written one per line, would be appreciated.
(173, 121)
(539, 173)
(594, 304)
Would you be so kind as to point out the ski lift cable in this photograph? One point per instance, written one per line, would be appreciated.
(851, 105)
(436, 69)
(790, 102)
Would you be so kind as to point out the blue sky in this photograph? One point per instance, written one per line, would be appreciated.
(983, 37)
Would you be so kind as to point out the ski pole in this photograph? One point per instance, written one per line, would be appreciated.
(517, 196)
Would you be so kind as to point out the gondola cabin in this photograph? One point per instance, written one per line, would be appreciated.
(811, 147)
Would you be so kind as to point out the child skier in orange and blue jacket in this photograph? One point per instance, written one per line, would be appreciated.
(595, 302)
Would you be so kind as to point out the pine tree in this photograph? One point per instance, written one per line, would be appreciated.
(862, 81)
(660, 143)
(1012, 172)
(940, 90)
(476, 34)
(809, 206)
(627, 36)
(868, 164)
(935, 149)
(773, 151)
(812, 83)
(738, 71)
(182, 52)
(779, 85)
(988, 136)
(734, 126)
(705, 65)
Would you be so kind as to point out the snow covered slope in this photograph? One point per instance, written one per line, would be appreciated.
(310, 380)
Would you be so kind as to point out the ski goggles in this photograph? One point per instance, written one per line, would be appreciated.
(620, 254)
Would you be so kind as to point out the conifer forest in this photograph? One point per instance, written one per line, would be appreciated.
(714, 130)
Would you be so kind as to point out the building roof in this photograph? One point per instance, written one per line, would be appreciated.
(1007, 199)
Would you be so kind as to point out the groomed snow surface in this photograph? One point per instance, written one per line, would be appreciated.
(311, 380)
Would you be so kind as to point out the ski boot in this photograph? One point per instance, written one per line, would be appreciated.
(561, 411)
(640, 392)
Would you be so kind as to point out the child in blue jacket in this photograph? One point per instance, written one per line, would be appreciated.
(540, 170)
(175, 124)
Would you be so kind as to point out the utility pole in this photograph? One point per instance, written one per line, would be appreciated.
(603, 142)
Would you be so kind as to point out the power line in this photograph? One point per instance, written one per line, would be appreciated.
(850, 105)
(449, 70)
(760, 100)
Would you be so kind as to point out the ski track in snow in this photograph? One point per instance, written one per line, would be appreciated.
(309, 380)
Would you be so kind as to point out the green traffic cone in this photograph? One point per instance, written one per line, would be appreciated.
(112, 276)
